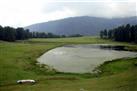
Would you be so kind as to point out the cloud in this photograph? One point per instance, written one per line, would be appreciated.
(25, 12)
(100, 9)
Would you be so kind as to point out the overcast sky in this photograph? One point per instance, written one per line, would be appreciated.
(20, 13)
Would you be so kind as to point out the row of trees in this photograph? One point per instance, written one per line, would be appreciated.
(11, 34)
(44, 35)
(127, 33)
(50, 35)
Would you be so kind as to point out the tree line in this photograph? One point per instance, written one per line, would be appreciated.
(45, 35)
(124, 33)
(12, 34)
(51, 35)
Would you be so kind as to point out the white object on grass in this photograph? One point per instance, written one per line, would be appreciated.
(26, 81)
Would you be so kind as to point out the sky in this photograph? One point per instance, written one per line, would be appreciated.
(21, 13)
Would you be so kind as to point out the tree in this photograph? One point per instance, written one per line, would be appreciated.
(110, 34)
(9, 34)
(20, 35)
(127, 33)
(132, 32)
(135, 33)
(105, 33)
(101, 34)
(27, 34)
(122, 33)
(1, 33)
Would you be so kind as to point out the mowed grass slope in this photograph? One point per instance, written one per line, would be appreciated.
(73, 40)
(18, 61)
(125, 81)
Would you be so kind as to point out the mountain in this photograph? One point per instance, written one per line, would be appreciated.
(84, 25)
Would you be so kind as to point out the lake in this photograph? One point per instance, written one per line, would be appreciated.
(82, 58)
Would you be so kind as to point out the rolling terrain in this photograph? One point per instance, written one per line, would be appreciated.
(18, 61)
(84, 25)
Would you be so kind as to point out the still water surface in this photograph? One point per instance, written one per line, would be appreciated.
(82, 58)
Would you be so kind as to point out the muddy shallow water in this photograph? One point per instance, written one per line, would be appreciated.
(82, 58)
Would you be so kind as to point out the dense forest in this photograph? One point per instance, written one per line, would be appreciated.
(12, 34)
(124, 33)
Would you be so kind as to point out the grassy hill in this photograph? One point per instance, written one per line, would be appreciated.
(18, 61)
(84, 25)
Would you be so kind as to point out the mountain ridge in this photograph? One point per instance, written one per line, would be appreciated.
(84, 25)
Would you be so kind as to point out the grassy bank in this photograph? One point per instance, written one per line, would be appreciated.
(17, 61)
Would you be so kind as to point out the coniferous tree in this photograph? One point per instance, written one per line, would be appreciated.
(101, 34)
(9, 34)
(122, 33)
(105, 33)
(1, 33)
(110, 34)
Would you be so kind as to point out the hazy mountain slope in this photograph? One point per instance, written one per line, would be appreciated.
(84, 25)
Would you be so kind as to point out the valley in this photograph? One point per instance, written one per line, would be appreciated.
(21, 64)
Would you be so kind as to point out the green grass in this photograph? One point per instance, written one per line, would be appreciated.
(75, 40)
(117, 66)
(18, 61)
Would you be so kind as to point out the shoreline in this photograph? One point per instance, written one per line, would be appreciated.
(97, 68)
